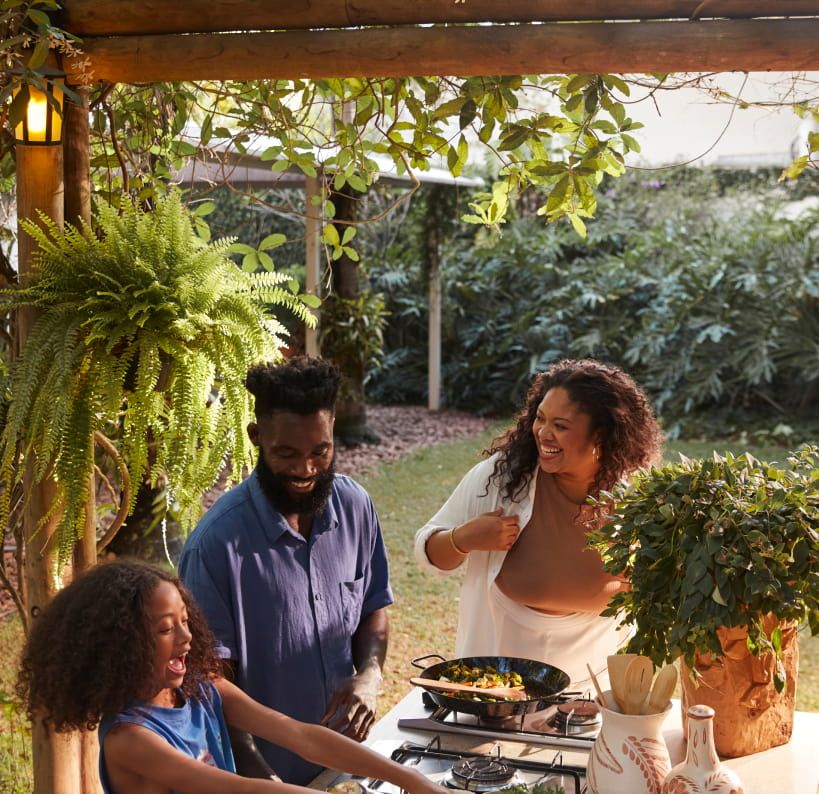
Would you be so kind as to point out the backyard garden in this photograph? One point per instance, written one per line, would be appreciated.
(701, 285)
(136, 295)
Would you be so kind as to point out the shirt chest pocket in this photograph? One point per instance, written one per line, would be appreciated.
(352, 598)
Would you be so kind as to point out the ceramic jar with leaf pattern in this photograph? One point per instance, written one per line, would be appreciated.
(629, 756)
(701, 772)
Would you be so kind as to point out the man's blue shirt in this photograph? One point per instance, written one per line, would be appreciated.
(285, 608)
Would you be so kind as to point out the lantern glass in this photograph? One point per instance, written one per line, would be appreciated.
(42, 123)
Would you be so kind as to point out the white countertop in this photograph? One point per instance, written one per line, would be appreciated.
(792, 768)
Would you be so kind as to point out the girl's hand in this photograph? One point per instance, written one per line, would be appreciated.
(488, 532)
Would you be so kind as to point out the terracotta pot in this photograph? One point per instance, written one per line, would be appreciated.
(629, 756)
(751, 715)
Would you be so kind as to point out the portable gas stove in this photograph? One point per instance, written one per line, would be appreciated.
(573, 722)
(482, 774)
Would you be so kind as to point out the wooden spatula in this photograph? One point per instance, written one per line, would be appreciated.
(603, 702)
(637, 684)
(490, 692)
(661, 690)
(617, 665)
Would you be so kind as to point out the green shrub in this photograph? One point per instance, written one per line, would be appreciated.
(702, 291)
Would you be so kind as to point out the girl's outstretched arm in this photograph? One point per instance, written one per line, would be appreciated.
(317, 743)
(138, 760)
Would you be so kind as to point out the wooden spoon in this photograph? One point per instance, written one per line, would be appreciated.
(617, 665)
(598, 689)
(661, 690)
(491, 692)
(637, 683)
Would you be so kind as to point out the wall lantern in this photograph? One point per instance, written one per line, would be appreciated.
(42, 122)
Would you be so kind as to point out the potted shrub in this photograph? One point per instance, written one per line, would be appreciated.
(722, 558)
(144, 334)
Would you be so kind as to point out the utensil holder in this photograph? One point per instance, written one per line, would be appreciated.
(629, 756)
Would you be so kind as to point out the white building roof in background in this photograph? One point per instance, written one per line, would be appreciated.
(248, 171)
(687, 124)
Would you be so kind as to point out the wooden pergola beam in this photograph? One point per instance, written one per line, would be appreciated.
(139, 17)
(625, 48)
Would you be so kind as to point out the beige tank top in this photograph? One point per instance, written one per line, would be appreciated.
(549, 569)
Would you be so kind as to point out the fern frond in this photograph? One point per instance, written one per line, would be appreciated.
(145, 328)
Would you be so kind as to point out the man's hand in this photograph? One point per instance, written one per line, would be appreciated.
(351, 710)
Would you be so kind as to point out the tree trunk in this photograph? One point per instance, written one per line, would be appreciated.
(433, 268)
(351, 410)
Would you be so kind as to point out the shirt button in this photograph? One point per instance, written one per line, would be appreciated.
(318, 596)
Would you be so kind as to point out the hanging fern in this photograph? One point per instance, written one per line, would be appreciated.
(147, 328)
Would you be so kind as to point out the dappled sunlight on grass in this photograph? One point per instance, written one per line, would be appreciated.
(15, 740)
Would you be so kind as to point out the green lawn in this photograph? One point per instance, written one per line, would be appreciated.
(424, 617)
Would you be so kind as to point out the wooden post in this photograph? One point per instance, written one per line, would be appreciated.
(312, 187)
(40, 187)
(77, 174)
(77, 159)
(434, 286)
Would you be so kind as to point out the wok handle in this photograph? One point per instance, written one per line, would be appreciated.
(417, 659)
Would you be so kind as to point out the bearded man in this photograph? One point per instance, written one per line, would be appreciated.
(291, 572)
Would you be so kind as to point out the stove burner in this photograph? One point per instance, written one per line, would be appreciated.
(481, 774)
(577, 716)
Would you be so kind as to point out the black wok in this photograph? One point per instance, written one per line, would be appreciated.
(542, 682)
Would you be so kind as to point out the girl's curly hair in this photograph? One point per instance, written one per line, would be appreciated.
(622, 419)
(90, 652)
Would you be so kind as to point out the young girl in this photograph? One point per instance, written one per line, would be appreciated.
(125, 647)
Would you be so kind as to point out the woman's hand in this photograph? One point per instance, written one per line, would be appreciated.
(488, 532)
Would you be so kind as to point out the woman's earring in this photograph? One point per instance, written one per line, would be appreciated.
(596, 454)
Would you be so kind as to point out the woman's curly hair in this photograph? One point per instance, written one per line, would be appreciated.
(622, 419)
(90, 652)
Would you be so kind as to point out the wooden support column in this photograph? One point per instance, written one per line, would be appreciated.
(76, 169)
(77, 177)
(312, 187)
(40, 187)
(435, 308)
(77, 159)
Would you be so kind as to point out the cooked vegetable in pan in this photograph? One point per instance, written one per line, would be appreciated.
(480, 678)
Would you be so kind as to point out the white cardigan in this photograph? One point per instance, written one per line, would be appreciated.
(491, 624)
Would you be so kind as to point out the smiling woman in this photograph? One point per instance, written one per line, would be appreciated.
(532, 589)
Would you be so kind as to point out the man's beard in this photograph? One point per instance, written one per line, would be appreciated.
(287, 503)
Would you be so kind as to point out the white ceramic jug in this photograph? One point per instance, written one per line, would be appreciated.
(701, 771)
(629, 756)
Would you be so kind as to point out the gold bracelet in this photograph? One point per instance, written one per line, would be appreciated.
(455, 546)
